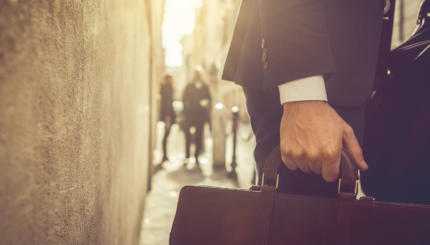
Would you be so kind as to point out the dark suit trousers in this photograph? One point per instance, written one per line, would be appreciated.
(198, 135)
(265, 113)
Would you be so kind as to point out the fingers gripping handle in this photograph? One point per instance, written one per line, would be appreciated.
(348, 180)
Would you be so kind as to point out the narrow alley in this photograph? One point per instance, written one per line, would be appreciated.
(89, 88)
(161, 201)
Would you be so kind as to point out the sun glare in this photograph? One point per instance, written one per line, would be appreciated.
(179, 19)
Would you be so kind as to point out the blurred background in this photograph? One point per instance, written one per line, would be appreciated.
(202, 40)
(108, 108)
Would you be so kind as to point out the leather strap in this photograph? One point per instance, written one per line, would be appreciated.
(348, 181)
(272, 165)
(348, 173)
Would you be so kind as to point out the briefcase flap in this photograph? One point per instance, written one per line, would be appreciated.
(208, 216)
(300, 220)
(214, 216)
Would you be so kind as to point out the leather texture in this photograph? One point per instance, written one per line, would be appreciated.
(262, 216)
(272, 166)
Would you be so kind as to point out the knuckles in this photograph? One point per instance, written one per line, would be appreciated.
(331, 176)
(286, 159)
(286, 154)
(298, 155)
(314, 156)
(312, 160)
(330, 153)
(308, 155)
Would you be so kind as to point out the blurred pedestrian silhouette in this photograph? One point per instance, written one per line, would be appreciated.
(197, 101)
(167, 114)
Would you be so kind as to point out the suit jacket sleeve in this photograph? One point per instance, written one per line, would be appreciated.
(295, 40)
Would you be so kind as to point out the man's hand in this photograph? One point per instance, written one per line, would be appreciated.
(313, 136)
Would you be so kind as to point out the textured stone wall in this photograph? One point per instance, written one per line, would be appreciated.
(73, 120)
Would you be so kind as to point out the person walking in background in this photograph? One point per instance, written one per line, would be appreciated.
(167, 114)
(197, 101)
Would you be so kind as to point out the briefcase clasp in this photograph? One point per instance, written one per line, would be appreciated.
(343, 193)
(276, 184)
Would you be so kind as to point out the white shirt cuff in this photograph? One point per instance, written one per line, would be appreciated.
(305, 89)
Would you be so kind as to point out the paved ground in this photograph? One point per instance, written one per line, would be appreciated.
(161, 202)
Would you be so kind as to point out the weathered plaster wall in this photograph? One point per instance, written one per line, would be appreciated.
(73, 121)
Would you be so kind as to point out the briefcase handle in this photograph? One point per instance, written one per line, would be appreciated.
(347, 184)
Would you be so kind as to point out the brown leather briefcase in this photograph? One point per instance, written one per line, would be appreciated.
(263, 216)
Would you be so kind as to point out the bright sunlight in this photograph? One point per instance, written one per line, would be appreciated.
(179, 20)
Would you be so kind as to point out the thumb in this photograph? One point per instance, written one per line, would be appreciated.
(352, 147)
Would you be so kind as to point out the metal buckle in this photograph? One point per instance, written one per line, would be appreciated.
(277, 181)
(339, 186)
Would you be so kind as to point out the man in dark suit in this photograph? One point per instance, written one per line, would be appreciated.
(197, 101)
(307, 68)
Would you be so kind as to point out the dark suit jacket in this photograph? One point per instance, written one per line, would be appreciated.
(194, 113)
(276, 41)
(397, 139)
